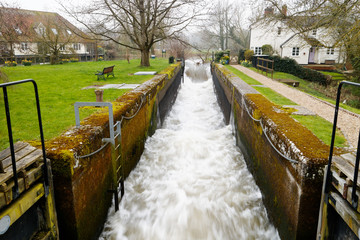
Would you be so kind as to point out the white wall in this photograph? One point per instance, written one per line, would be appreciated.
(268, 34)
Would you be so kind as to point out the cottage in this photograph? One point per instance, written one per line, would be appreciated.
(313, 47)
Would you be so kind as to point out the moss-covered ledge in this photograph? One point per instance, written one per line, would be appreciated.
(82, 184)
(291, 191)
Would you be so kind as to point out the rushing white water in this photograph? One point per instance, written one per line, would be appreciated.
(191, 181)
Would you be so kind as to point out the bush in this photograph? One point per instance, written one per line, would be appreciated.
(246, 63)
(74, 59)
(171, 59)
(220, 54)
(100, 59)
(241, 56)
(225, 60)
(26, 62)
(10, 64)
(267, 49)
(289, 65)
(248, 54)
(65, 60)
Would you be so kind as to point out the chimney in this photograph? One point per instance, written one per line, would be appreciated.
(269, 11)
(284, 10)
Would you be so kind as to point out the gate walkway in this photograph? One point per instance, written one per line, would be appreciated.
(348, 122)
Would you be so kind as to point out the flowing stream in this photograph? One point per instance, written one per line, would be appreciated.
(191, 181)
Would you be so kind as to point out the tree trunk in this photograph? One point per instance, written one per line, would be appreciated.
(145, 58)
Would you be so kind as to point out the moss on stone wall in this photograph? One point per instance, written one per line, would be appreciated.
(311, 147)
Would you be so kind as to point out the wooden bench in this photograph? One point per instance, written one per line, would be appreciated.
(108, 71)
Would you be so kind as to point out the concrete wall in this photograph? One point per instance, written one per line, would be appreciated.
(291, 191)
(81, 185)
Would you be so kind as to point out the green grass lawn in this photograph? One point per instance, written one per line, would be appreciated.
(322, 129)
(274, 96)
(335, 75)
(60, 86)
(243, 76)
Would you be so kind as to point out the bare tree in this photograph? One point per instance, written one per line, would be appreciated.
(225, 23)
(145, 22)
(54, 36)
(14, 28)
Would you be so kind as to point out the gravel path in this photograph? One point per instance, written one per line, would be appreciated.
(349, 123)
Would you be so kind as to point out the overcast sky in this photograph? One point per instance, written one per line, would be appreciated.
(40, 5)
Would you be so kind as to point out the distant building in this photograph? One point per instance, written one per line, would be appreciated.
(38, 35)
(309, 48)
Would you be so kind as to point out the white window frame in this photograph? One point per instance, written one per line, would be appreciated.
(295, 51)
(62, 48)
(18, 30)
(24, 46)
(257, 51)
(54, 31)
(330, 51)
(77, 46)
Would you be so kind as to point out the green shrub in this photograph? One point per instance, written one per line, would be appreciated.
(267, 49)
(220, 54)
(289, 65)
(246, 63)
(248, 54)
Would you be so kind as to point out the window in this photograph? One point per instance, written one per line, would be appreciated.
(279, 30)
(62, 48)
(330, 51)
(41, 31)
(257, 51)
(314, 32)
(68, 31)
(18, 30)
(295, 51)
(24, 46)
(54, 31)
(77, 46)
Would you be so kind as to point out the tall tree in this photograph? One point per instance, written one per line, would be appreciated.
(145, 22)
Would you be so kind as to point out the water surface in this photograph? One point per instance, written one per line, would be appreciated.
(191, 181)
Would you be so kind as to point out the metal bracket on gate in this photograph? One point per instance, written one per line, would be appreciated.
(112, 137)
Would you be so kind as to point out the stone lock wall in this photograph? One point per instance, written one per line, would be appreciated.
(81, 185)
(291, 185)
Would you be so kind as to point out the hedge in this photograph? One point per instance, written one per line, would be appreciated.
(289, 65)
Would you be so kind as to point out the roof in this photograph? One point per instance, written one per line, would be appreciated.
(27, 24)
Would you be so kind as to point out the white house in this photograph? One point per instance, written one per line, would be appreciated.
(309, 48)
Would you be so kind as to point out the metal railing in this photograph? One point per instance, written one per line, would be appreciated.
(11, 142)
(354, 197)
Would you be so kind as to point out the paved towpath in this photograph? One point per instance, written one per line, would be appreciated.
(349, 123)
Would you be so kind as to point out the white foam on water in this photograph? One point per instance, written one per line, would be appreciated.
(191, 181)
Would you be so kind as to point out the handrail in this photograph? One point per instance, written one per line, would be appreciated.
(8, 119)
(354, 197)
